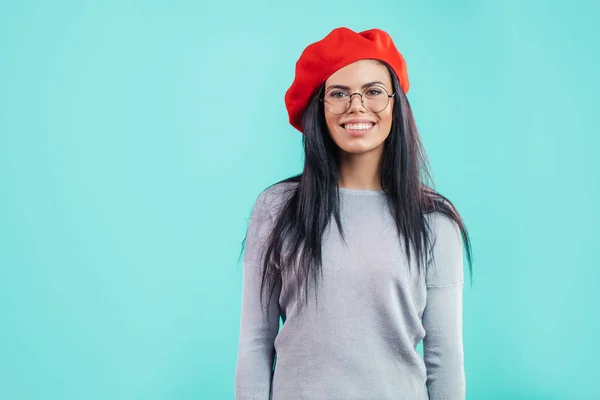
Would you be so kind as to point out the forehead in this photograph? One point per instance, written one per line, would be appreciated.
(360, 72)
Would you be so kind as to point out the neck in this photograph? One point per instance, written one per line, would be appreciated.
(360, 171)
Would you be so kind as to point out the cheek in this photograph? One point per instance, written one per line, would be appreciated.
(330, 120)
(386, 119)
(332, 124)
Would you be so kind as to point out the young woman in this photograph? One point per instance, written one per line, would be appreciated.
(358, 255)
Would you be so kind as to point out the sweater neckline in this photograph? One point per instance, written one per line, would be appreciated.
(371, 192)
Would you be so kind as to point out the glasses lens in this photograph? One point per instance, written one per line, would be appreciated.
(337, 101)
(375, 98)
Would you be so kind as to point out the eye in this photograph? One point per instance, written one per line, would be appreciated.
(373, 92)
(337, 94)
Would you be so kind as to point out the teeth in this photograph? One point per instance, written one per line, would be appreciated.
(358, 127)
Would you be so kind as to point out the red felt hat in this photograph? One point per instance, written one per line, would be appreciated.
(342, 46)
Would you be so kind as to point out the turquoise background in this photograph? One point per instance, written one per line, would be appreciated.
(135, 137)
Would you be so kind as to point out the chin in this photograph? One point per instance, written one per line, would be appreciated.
(358, 145)
(357, 151)
(358, 148)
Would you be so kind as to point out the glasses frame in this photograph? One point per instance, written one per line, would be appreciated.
(362, 102)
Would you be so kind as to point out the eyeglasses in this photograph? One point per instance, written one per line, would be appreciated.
(373, 98)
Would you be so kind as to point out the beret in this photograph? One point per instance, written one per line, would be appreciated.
(342, 46)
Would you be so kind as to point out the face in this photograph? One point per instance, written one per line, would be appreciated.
(359, 130)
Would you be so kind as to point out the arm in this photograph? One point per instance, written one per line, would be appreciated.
(442, 317)
(256, 350)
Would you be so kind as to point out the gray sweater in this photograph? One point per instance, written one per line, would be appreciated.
(360, 342)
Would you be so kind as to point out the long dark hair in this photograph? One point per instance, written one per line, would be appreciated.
(306, 211)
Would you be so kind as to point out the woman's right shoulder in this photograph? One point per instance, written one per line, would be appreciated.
(274, 196)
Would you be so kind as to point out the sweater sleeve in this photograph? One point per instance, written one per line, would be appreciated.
(442, 317)
(257, 333)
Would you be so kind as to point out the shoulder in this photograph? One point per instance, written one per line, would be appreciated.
(442, 226)
(273, 197)
(279, 189)
(438, 217)
(265, 206)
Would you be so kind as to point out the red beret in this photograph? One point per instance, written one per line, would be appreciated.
(342, 46)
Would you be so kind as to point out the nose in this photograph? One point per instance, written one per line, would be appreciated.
(356, 105)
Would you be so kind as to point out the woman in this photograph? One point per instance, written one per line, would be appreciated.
(357, 255)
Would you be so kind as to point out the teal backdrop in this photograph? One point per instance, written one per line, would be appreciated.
(136, 136)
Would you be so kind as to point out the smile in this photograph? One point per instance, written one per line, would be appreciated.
(358, 129)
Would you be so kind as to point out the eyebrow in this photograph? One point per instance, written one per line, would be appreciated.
(362, 87)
